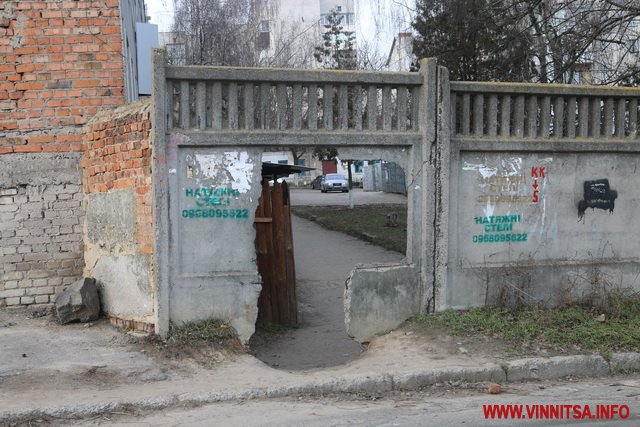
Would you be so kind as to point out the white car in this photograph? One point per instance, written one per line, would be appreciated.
(334, 182)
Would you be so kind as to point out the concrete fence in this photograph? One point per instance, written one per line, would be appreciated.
(517, 193)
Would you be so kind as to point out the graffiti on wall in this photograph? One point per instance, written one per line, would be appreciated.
(498, 229)
(597, 195)
(507, 187)
(220, 180)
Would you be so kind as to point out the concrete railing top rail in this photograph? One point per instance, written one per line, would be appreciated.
(279, 100)
(514, 111)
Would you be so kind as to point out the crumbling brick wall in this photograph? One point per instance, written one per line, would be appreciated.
(60, 63)
(118, 201)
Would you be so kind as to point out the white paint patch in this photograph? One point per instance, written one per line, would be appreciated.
(231, 168)
(482, 169)
(172, 171)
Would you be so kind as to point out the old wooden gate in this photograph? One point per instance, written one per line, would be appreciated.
(274, 252)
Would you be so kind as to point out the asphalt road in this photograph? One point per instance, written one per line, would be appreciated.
(443, 406)
(309, 197)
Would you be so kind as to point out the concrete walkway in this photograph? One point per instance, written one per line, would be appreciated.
(79, 371)
(324, 260)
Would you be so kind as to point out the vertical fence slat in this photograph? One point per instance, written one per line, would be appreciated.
(248, 106)
(232, 106)
(558, 117)
(608, 117)
(505, 116)
(415, 108)
(281, 106)
(583, 117)
(545, 117)
(372, 107)
(201, 107)
(620, 113)
(465, 120)
(357, 113)
(571, 116)
(216, 103)
(478, 115)
(184, 104)
(454, 113)
(402, 108)
(265, 106)
(343, 107)
(518, 120)
(595, 117)
(297, 106)
(169, 104)
(532, 116)
(633, 118)
(327, 106)
(386, 108)
(492, 115)
(312, 118)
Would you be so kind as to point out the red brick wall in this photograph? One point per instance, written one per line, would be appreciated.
(118, 156)
(60, 62)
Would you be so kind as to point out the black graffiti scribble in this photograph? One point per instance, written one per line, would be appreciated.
(597, 194)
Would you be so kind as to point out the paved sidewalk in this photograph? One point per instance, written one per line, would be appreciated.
(76, 371)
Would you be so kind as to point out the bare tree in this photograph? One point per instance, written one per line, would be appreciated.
(553, 41)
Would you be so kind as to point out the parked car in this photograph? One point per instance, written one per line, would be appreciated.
(316, 184)
(334, 182)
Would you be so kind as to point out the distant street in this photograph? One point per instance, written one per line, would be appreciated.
(309, 197)
(437, 406)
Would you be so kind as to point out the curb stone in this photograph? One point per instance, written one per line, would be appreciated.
(538, 368)
(372, 383)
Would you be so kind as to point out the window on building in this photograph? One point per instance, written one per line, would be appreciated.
(302, 162)
(264, 26)
(358, 166)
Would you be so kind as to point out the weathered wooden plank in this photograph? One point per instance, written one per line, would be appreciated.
(372, 107)
(312, 118)
(289, 259)
(232, 106)
(402, 108)
(297, 106)
(216, 104)
(184, 105)
(478, 114)
(545, 117)
(280, 299)
(327, 106)
(343, 107)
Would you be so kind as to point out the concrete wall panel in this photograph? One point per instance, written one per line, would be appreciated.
(380, 298)
(553, 225)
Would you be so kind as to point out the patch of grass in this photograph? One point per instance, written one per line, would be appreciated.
(206, 332)
(568, 328)
(368, 223)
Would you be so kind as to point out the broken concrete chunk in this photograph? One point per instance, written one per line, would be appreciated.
(79, 302)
